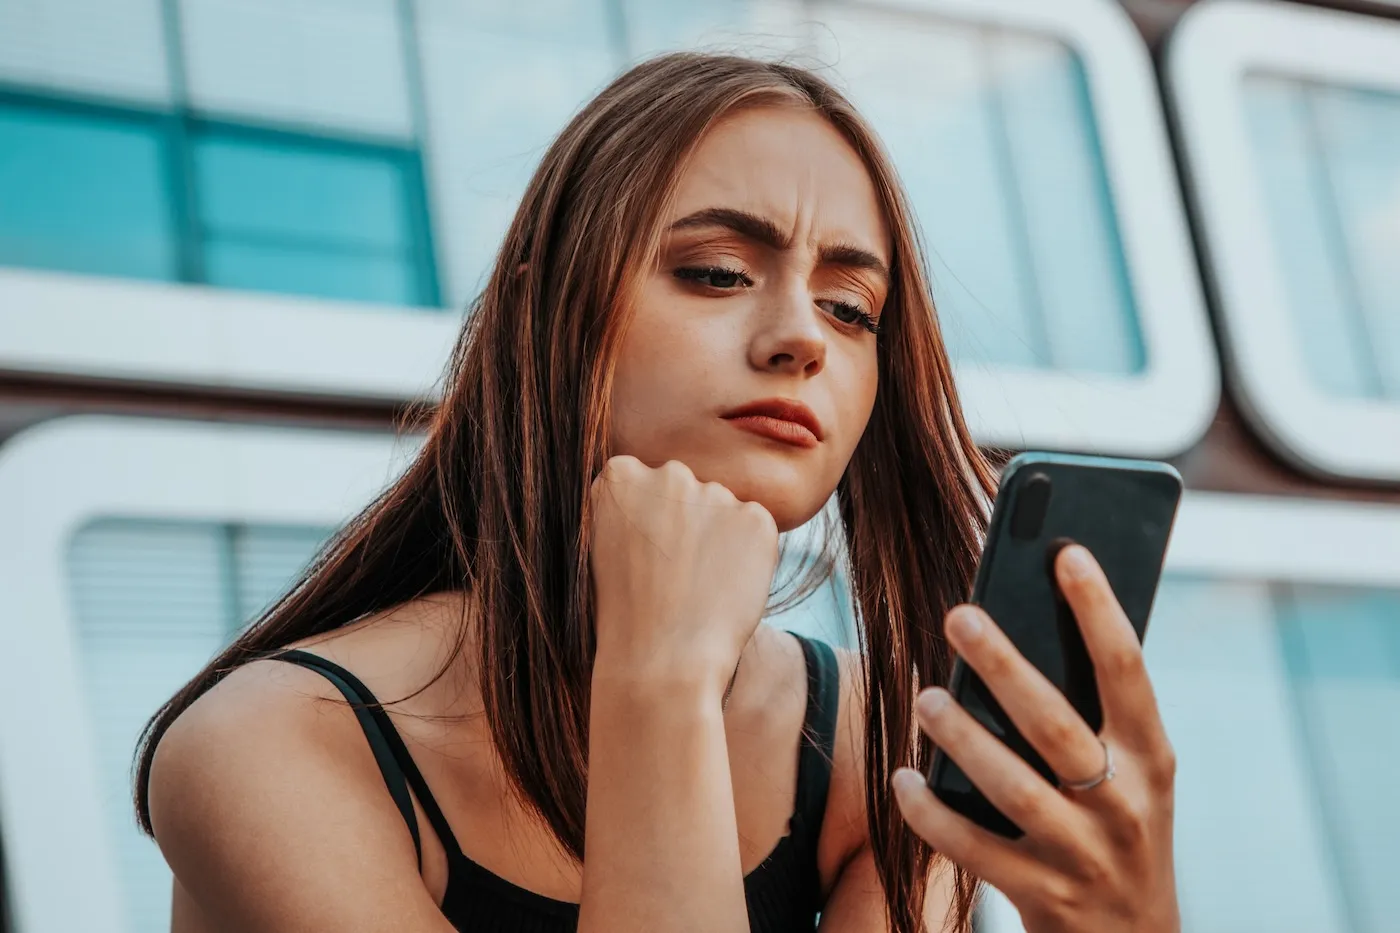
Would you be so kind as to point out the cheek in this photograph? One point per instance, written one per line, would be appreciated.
(655, 387)
(855, 391)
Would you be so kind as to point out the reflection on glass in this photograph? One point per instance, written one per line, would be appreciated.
(1343, 653)
(154, 601)
(765, 28)
(84, 193)
(1283, 704)
(1329, 170)
(994, 136)
(284, 216)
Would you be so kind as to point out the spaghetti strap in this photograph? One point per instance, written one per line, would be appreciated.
(818, 734)
(397, 766)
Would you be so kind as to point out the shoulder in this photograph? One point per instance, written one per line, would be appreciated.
(265, 794)
(260, 794)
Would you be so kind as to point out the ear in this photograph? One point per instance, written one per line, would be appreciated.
(522, 269)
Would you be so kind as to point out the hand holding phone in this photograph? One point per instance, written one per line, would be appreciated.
(1049, 683)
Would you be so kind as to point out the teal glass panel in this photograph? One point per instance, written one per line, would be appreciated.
(1343, 653)
(305, 270)
(279, 214)
(153, 602)
(1328, 162)
(84, 192)
(994, 135)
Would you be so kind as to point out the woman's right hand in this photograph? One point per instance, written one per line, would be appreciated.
(681, 574)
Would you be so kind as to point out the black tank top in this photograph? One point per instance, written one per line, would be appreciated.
(783, 893)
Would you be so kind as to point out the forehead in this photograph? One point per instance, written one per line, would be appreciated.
(791, 166)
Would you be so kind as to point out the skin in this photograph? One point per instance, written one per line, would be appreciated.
(684, 798)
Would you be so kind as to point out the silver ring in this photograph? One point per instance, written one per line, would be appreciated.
(1093, 782)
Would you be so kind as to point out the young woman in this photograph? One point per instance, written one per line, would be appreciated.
(708, 316)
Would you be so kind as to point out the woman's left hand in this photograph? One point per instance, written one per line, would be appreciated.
(1095, 859)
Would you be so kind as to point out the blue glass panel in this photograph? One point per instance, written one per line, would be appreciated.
(1250, 841)
(303, 270)
(153, 602)
(1310, 257)
(753, 27)
(327, 198)
(1081, 284)
(994, 136)
(1343, 653)
(1360, 136)
(84, 193)
(1329, 170)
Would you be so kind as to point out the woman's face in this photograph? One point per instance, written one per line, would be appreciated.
(751, 353)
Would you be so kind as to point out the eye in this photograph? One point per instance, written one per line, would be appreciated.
(715, 277)
(850, 315)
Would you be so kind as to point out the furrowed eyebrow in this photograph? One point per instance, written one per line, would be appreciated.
(764, 231)
(844, 254)
(750, 226)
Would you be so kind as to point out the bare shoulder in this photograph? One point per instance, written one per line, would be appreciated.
(264, 799)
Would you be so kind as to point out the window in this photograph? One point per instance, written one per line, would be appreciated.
(997, 143)
(1342, 648)
(104, 191)
(1290, 124)
(1275, 655)
(311, 218)
(500, 81)
(153, 601)
(85, 190)
(1330, 169)
(131, 551)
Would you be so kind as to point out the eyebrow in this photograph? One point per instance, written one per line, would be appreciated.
(764, 231)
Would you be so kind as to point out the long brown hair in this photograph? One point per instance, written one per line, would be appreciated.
(495, 502)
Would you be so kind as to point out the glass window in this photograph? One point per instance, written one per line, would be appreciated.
(288, 215)
(994, 135)
(1342, 649)
(104, 190)
(1283, 702)
(85, 192)
(153, 602)
(1329, 168)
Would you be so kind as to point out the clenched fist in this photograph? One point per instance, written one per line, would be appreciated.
(681, 575)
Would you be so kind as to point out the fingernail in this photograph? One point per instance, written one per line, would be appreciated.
(964, 624)
(933, 700)
(1078, 563)
(905, 780)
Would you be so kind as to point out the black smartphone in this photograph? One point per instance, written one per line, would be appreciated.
(1122, 511)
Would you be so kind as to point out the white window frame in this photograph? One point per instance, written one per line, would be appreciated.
(54, 479)
(173, 334)
(1214, 46)
(189, 335)
(1167, 407)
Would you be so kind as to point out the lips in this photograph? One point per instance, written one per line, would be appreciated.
(785, 420)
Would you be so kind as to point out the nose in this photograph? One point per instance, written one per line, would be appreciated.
(788, 336)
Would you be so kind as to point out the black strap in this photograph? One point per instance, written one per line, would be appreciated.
(818, 734)
(397, 766)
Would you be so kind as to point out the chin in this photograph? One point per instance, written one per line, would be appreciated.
(791, 494)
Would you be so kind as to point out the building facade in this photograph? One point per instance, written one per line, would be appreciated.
(238, 237)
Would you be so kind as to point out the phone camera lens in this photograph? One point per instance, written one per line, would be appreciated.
(1031, 503)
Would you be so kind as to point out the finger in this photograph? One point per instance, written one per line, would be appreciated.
(1036, 706)
(1013, 786)
(985, 854)
(1125, 690)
